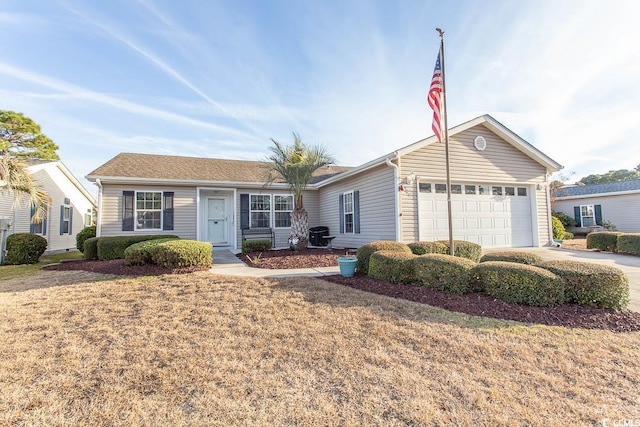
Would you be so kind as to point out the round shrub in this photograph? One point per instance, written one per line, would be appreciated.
(568, 235)
(512, 256)
(464, 249)
(24, 248)
(444, 272)
(519, 284)
(365, 251)
(140, 253)
(421, 248)
(391, 266)
(182, 253)
(84, 234)
(112, 247)
(558, 228)
(592, 284)
(90, 248)
(629, 243)
(603, 240)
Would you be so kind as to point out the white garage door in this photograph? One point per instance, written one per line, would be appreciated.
(489, 215)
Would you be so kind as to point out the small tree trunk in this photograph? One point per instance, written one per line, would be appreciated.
(300, 227)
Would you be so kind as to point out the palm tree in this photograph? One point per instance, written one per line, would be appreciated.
(296, 164)
(15, 178)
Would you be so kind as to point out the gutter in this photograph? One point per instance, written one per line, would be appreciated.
(396, 196)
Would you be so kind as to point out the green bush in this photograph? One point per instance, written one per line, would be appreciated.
(444, 272)
(558, 228)
(512, 256)
(256, 246)
(91, 248)
(182, 253)
(421, 248)
(464, 249)
(565, 219)
(112, 247)
(391, 266)
(24, 248)
(567, 236)
(629, 243)
(84, 234)
(591, 284)
(519, 284)
(603, 240)
(365, 251)
(141, 253)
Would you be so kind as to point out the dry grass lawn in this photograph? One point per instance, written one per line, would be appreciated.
(208, 350)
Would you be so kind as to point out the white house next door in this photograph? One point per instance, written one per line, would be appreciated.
(216, 221)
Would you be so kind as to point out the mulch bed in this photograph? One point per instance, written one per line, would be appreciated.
(117, 267)
(286, 259)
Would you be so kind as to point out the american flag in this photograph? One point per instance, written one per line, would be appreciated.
(434, 98)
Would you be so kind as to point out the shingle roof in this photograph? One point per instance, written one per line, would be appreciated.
(153, 166)
(611, 187)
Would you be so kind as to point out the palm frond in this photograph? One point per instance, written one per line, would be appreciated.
(15, 178)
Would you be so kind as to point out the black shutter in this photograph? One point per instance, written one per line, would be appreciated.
(244, 211)
(127, 211)
(341, 210)
(576, 216)
(61, 220)
(356, 212)
(167, 213)
(32, 226)
(44, 224)
(70, 231)
(598, 212)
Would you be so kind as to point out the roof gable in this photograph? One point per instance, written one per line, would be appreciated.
(47, 165)
(599, 189)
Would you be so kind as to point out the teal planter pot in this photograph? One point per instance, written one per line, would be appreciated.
(347, 266)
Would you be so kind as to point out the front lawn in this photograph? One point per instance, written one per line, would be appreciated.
(13, 271)
(201, 349)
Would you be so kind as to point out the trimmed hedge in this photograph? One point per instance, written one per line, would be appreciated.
(91, 248)
(140, 253)
(464, 249)
(603, 240)
(512, 256)
(444, 272)
(591, 284)
(113, 247)
(558, 228)
(519, 284)
(84, 234)
(421, 248)
(182, 253)
(629, 243)
(256, 246)
(24, 248)
(391, 266)
(365, 251)
(568, 235)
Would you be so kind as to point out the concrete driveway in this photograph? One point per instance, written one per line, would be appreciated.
(627, 263)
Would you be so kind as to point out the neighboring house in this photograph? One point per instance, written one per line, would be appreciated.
(499, 184)
(70, 206)
(615, 202)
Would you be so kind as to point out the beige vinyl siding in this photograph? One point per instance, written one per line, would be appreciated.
(184, 205)
(622, 210)
(309, 200)
(377, 207)
(499, 163)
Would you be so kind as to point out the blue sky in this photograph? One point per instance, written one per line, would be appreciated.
(220, 78)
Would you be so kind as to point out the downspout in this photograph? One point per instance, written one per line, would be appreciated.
(396, 196)
(99, 215)
(548, 193)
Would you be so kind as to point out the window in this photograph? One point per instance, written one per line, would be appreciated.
(509, 191)
(148, 210)
(282, 207)
(348, 212)
(587, 215)
(469, 189)
(441, 188)
(483, 190)
(522, 191)
(496, 191)
(260, 210)
(424, 187)
(65, 219)
(456, 189)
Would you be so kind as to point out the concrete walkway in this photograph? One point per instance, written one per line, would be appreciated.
(225, 262)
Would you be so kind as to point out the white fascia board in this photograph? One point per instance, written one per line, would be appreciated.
(596, 195)
(63, 168)
(106, 180)
(369, 165)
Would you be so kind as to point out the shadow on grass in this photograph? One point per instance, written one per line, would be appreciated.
(42, 279)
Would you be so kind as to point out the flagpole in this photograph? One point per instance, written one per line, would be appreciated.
(446, 141)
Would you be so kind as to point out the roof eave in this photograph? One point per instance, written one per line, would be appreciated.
(592, 195)
(182, 182)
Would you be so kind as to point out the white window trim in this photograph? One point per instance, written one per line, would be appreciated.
(135, 211)
(270, 211)
(274, 210)
(345, 212)
(592, 216)
(66, 206)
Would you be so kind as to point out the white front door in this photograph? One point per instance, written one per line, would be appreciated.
(216, 221)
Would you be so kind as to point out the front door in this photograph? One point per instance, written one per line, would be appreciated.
(216, 218)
